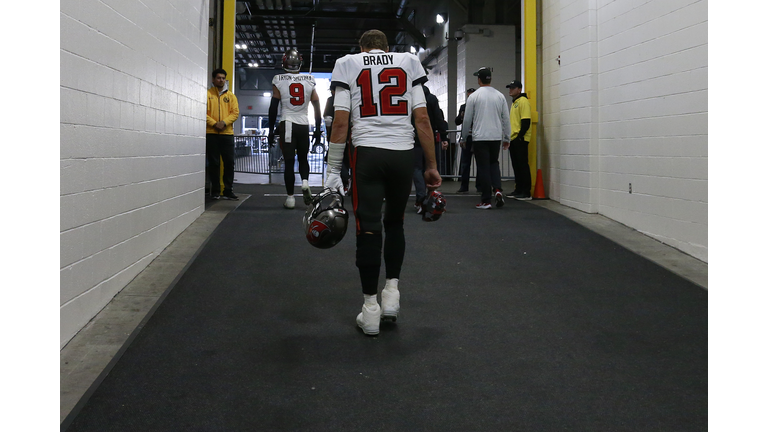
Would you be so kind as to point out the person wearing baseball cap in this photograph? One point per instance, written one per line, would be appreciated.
(486, 116)
(520, 122)
(484, 73)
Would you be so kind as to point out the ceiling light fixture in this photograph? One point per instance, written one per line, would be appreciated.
(440, 18)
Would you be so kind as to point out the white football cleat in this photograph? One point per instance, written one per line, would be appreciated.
(306, 192)
(390, 300)
(290, 202)
(369, 319)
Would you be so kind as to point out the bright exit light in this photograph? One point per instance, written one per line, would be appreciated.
(440, 18)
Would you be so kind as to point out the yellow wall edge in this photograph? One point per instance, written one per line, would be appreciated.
(529, 63)
(228, 55)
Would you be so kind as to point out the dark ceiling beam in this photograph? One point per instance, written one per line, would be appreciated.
(295, 15)
(414, 32)
(321, 45)
(393, 23)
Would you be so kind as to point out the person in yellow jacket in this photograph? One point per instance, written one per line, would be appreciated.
(520, 120)
(219, 136)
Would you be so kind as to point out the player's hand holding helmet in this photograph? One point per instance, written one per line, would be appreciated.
(325, 221)
(333, 181)
(432, 178)
(433, 207)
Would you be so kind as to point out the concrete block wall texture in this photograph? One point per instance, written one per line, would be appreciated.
(496, 51)
(133, 79)
(461, 72)
(438, 80)
(628, 104)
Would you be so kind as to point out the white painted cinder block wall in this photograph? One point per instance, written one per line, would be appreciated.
(133, 81)
(628, 104)
(496, 51)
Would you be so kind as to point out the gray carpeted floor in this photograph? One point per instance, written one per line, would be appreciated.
(513, 319)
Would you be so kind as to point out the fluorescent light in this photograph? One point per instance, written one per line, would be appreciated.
(267, 94)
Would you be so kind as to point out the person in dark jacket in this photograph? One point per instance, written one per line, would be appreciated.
(466, 150)
(439, 126)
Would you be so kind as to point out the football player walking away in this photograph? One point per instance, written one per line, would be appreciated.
(487, 117)
(294, 91)
(378, 92)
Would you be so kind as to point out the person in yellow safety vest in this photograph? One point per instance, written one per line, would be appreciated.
(219, 136)
(520, 120)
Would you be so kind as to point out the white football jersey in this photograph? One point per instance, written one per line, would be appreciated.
(381, 100)
(295, 94)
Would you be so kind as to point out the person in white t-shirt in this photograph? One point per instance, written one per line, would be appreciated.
(294, 92)
(377, 92)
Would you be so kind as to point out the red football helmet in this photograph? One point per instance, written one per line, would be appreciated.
(325, 225)
(433, 206)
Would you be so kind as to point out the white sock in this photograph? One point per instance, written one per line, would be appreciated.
(391, 284)
(305, 184)
(370, 300)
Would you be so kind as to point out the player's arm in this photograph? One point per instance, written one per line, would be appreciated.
(338, 138)
(273, 112)
(315, 100)
(424, 132)
(340, 126)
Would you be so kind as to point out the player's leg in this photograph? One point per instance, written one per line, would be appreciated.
(301, 136)
(289, 155)
(368, 193)
(398, 187)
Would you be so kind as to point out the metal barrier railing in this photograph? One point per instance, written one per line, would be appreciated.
(251, 154)
(449, 160)
(254, 155)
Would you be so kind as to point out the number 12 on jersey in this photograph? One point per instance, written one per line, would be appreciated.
(395, 85)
